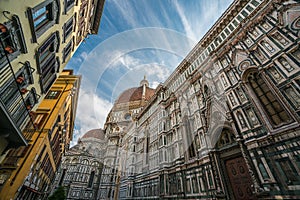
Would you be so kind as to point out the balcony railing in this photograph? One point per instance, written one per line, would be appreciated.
(16, 99)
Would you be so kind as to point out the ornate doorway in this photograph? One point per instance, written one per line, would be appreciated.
(235, 173)
(239, 179)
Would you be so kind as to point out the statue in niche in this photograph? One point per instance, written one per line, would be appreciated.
(225, 63)
(268, 46)
(293, 96)
(252, 116)
(285, 64)
(217, 67)
(260, 55)
(241, 120)
(255, 33)
(281, 39)
(275, 74)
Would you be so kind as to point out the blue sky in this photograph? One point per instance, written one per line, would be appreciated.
(136, 38)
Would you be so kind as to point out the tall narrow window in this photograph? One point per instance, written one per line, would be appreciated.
(67, 50)
(68, 28)
(272, 107)
(68, 5)
(91, 180)
(46, 61)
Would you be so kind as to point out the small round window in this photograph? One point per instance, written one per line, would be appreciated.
(127, 116)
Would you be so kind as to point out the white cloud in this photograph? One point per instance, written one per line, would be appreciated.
(92, 111)
(124, 60)
(186, 24)
(154, 84)
(154, 69)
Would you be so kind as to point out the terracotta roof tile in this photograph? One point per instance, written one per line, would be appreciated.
(95, 133)
(135, 94)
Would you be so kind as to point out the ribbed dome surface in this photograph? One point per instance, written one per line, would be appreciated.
(135, 94)
(95, 133)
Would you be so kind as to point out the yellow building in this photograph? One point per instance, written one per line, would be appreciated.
(27, 172)
(37, 38)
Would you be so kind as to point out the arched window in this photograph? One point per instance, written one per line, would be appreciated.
(269, 102)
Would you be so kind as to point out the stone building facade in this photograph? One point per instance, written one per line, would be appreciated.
(123, 113)
(225, 124)
(81, 167)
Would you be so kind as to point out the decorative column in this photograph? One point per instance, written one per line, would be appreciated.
(219, 192)
(256, 186)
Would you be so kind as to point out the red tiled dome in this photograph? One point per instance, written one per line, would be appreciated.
(135, 94)
(95, 133)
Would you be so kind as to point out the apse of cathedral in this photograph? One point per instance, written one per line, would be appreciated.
(225, 124)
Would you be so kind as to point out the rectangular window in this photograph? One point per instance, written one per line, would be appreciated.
(42, 17)
(12, 39)
(239, 18)
(188, 186)
(91, 180)
(47, 62)
(52, 94)
(244, 13)
(68, 28)
(67, 50)
(195, 184)
(255, 3)
(227, 31)
(287, 171)
(249, 8)
(68, 5)
(235, 22)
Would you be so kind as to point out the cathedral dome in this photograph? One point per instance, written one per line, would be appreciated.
(95, 133)
(135, 94)
(144, 92)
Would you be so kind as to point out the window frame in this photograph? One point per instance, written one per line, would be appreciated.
(70, 23)
(48, 64)
(14, 38)
(269, 106)
(67, 50)
(51, 96)
(53, 17)
(66, 7)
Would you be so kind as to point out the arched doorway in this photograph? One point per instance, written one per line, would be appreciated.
(234, 171)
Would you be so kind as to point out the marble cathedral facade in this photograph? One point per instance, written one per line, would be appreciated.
(225, 124)
(81, 168)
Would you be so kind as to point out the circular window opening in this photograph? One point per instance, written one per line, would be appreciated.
(127, 116)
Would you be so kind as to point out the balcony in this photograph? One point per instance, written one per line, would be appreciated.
(16, 102)
(12, 40)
